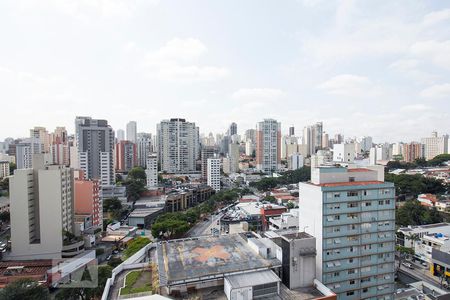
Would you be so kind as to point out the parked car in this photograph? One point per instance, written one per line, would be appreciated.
(109, 257)
(408, 265)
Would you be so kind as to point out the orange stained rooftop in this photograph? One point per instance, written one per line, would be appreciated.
(350, 183)
(359, 170)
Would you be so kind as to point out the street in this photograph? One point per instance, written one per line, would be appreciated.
(419, 271)
(204, 227)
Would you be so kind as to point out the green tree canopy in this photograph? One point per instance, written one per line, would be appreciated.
(24, 289)
(415, 184)
(413, 213)
(137, 174)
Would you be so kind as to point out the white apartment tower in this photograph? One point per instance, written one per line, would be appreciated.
(132, 131)
(94, 141)
(268, 146)
(144, 148)
(214, 173)
(178, 145)
(435, 145)
(41, 209)
(151, 170)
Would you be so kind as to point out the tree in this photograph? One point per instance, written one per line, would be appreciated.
(270, 199)
(413, 213)
(415, 184)
(12, 167)
(4, 184)
(402, 253)
(137, 174)
(24, 289)
(290, 205)
(4, 216)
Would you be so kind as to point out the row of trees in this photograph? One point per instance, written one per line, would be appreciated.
(176, 224)
(288, 177)
(439, 160)
(413, 185)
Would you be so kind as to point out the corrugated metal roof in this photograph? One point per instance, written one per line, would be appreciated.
(252, 279)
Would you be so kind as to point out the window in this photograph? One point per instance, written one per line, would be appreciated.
(352, 194)
(337, 217)
(365, 193)
(366, 279)
(365, 289)
(352, 238)
(337, 195)
(350, 293)
(381, 202)
(350, 260)
(336, 274)
(368, 203)
(351, 179)
(352, 216)
(352, 204)
(388, 202)
(352, 282)
(352, 271)
(365, 270)
(366, 226)
(336, 229)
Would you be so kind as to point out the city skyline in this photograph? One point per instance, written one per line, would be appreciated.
(228, 71)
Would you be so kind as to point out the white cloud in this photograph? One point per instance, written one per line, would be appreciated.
(258, 94)
(437, 91)
(83, 9)
(415, 108)
(410, 68)
(436, 17)
(178, 60)
(349, 85)
(436, 52)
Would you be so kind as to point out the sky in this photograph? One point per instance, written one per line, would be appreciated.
(378, 68)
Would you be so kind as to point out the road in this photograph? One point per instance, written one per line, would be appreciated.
(421, 272)
(204, 227)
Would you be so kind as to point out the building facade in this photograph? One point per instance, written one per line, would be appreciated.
(435, 145)
(214, 173)
(351, 212)
(206, 153)
(412, 151)
(87, 200)
(126, 156)
(151, 170)
(42, 208)
(268, 146)
(94, 144)
(178, 145)
(144, 148)
(132, 131)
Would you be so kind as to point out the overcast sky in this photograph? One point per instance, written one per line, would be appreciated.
(362, 67)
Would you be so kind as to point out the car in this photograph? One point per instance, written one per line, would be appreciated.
(115, 252)
(109, 257)
(424, 264)
(408, 265)
(205, 219)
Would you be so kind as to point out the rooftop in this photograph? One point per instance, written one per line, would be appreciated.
(350, 183)
(359, 170)
(192, 259)
(251, 279)
(143, 212)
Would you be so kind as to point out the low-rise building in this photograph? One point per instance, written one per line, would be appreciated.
(287, 220)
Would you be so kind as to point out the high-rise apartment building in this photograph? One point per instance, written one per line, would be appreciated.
(289, 145)
(435, 145)
(120, 135)
(207, 152)
(126, 156)
(4, 168)
(233, 129)
(295, 161)
(132, 131)
(144, 148)
(178, 145)
(268, 146)
(41, 209)
(41, 134)
(214, 173)
(412, 151)
(250, 135)
(233, 155)
(351, 212)
(151, 170)
(312, 137)
(25, 151)
(291, 131)
(94, 142)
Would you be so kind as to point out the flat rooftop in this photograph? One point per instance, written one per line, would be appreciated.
(143, 212)
(193, 259)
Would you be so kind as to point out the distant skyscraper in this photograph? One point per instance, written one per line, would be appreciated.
(126, 156)
(144, 148)
(42, 209)
(233, 155)
(268, 146)
(178, 145)
(214, 173)
(151, 170)
(291, 131)
(41, 134)
(312, 137)
(132, 131)
(344, 153)
(207, 152)
(435, 145)
(120, 135)
(94, 141)
(233, 129)
(351, 212)
(250, 135)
